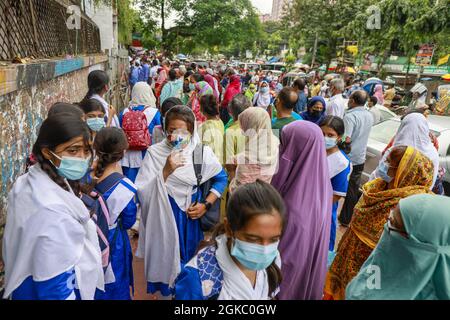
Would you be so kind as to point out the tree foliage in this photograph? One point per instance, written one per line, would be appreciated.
(404, 25)
(214, 25)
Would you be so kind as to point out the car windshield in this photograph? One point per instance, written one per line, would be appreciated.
(384, 131)
(385, 115)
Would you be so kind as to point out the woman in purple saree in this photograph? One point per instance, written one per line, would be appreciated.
(303, 181)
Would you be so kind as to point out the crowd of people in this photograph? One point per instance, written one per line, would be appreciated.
(232, 184)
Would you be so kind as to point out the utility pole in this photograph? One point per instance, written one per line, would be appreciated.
(419, 73)
(314, 52)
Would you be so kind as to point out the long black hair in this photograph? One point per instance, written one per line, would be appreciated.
(109, 145)
(247, 202)
(198, 77)
(54, 131)
(337, 124)
(97, 80)
(209, 106)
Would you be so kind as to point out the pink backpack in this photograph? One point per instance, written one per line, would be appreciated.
(134, 124)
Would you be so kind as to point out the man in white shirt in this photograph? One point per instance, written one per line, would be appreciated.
(153, 72)
(373, 108)
(337, 104)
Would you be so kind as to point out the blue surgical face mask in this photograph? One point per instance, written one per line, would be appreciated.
(181, 141)
(383, 169)
(330, 142)
(95, 124)
(72, 168)
(254, 256)
(191, 86)
(264, 90)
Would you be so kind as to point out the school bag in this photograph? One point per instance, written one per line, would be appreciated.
(211, 218)
(110, 182)
(135, 126)
(100, 215)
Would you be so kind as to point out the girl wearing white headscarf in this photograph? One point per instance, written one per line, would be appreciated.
(263, 97)
(50, 246)
(414, 132)
(142, 99)
(260, 157)
(171, 202)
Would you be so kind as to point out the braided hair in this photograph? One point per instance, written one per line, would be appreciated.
(109, 145)
(58, 129)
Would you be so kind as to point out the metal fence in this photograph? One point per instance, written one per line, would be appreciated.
(37, 28)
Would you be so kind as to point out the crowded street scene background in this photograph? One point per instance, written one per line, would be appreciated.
(297, 173)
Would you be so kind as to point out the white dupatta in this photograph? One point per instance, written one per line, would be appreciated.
(158, 242)
(49, 232)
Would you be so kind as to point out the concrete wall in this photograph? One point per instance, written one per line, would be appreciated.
(102, 15)
(26, 94)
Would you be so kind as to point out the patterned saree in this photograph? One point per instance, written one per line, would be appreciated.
(414, 176)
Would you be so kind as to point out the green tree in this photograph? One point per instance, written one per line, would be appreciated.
(324, 18)
(405, 24)
(153, 11)
(221, 25)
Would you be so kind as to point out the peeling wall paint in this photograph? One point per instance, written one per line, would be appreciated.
(22, 112)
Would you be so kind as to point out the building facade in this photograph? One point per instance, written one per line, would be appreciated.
(278, 9)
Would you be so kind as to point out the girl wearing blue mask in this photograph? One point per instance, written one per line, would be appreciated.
(51, 249)
(98, 84)
(241, 261)
(94, 114)
(158, 130)
(263, 98)
(120, 196)
(339, 167)
(171, 202)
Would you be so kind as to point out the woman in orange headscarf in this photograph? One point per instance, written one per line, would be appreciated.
(405, 173)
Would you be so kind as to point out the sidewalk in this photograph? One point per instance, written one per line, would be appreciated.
(140, 284)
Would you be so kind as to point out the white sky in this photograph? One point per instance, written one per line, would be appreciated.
(264, 6)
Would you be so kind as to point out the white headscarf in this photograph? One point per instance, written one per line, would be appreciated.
(263, 99)
(159, 243)
(49, 232)
(415, 132)
(262, 144)
(142, 95)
